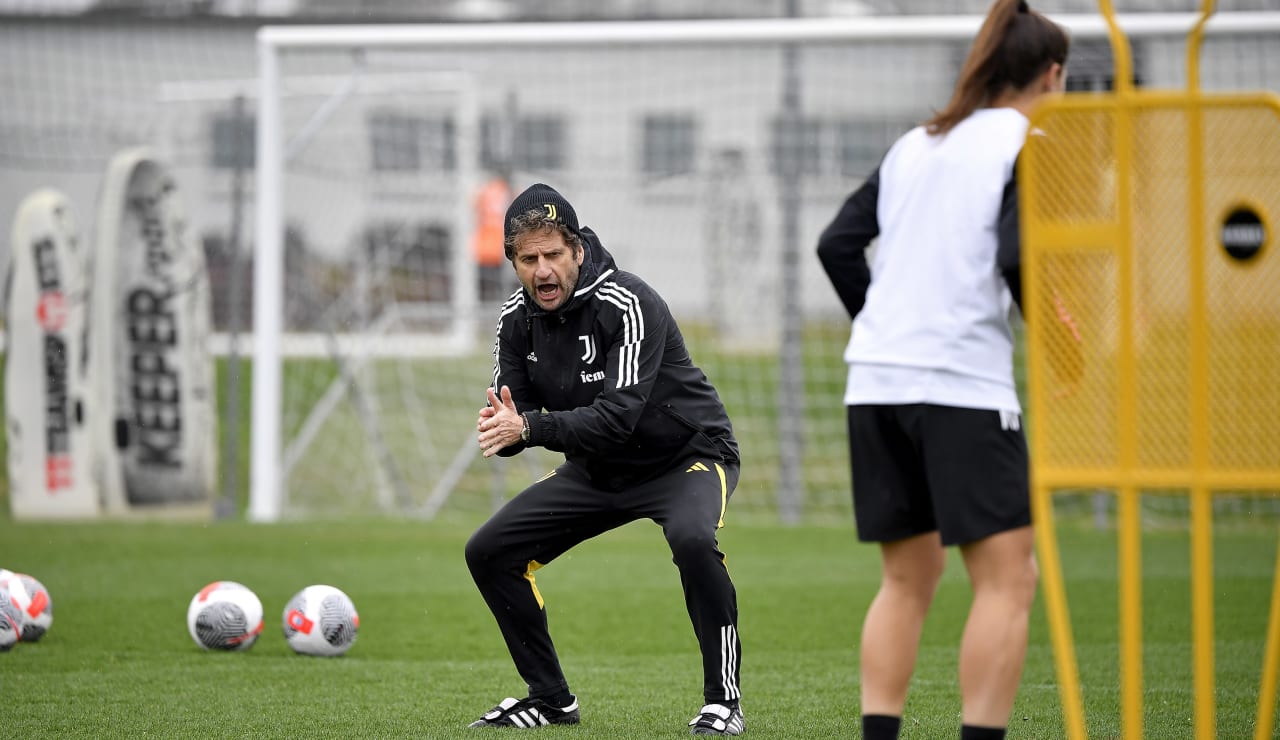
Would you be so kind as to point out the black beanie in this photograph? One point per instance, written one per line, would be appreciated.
(543, 198)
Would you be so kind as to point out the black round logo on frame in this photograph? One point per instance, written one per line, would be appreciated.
(1243, 234)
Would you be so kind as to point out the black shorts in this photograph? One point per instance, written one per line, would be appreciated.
(921, 467)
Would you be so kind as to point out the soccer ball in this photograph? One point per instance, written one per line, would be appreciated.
(225, 615)
(320, 620)
(10, 621)
(32, 600)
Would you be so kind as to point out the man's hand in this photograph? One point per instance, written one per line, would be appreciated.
(499, 423)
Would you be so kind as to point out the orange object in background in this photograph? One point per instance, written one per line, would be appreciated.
(491, 208)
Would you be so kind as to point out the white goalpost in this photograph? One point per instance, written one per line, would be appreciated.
(387, 331)
(707, 155)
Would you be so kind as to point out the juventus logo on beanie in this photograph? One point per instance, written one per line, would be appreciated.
(542, 198)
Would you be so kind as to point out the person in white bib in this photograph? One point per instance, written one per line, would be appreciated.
(936, 447)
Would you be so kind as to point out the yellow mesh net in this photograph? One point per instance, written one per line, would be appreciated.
(1152, 292)
(1132, 285)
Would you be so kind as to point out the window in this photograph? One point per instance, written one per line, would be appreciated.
(233, 141)
(493, 144)
(538, 143)
(417, 258)
(797, 140)
(844, 147)
(1091, 69)
(400, 142)
(862, 143)
(668, 145)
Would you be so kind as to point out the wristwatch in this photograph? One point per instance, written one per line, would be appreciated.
(524, 431)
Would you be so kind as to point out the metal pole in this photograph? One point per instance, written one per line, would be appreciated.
(791, 367)
(226, 507)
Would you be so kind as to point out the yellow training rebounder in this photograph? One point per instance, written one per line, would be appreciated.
(1152, 288)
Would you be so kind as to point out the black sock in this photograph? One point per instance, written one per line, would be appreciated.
(880, 726)
(974, 732)
(560, 700)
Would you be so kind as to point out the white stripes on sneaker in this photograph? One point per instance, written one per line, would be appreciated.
(524, 718)
(528, 718)
(718, 719)
(503, 706)
(527, 714)
(729, 661)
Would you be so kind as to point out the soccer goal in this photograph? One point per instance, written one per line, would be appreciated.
(708, 156)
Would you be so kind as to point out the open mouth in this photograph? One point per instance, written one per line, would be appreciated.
(547, 291)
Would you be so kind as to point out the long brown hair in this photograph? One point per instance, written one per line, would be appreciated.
(1014, 46)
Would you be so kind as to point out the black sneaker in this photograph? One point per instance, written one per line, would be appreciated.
(718, 719)
(528, 714)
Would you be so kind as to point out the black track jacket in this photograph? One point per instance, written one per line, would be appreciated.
(622, 397)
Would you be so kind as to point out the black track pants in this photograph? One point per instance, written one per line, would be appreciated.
(564, 509)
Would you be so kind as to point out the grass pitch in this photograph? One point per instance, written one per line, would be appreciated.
(118, 661)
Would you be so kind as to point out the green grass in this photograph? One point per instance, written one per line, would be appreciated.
(118, 661)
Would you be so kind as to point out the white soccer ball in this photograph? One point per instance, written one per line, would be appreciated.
(32, 600)
(225, 615)
(320, 620)
(10, 621)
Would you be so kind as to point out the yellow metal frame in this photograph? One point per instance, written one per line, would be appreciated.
(1128, 477)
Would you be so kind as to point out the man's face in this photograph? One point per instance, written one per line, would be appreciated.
(547, 267)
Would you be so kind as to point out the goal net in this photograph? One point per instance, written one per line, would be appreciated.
(707, 156)
(375, 303)
(329, 173)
